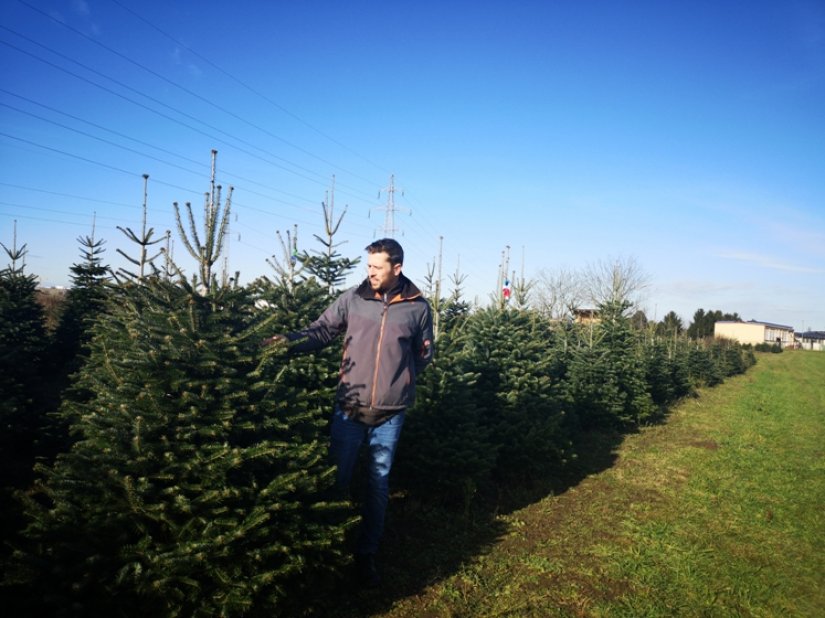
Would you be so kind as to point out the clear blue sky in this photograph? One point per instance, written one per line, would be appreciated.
(689, 136)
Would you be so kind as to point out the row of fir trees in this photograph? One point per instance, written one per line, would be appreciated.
(157, 461)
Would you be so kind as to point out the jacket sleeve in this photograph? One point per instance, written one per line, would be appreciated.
(323, 330)
(424, 345)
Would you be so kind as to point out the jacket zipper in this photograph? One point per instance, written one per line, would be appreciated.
(378, 349)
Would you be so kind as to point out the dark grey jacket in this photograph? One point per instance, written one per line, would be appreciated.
(388, 340)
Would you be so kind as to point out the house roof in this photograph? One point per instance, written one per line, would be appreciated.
(812, 335)
(770, 324)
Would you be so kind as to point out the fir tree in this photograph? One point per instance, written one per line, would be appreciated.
(289, 308)
(639, 320)
(205, 247)
(670, 326)
(199, 482)
(24, 346)
(288, 267)
(657, 374)
(592, 386)
(329, 266)
(731, 357)
(455, 310)
(84, 303)
(627, 354)
(143, 261)
(703, 322)
(519, 388)
(678, 359)
(666, 370)
(448, 450)
(702, 368)
(24, 385)
(608, 375)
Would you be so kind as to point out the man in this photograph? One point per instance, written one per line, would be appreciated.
(387, 343)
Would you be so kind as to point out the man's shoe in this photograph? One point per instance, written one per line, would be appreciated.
(366, 570)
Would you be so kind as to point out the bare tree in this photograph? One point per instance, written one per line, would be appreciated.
(558, 293)
(619, 280)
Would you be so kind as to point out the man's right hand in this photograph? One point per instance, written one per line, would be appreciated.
(274, 340)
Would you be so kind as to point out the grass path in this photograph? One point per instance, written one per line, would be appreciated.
(717, 512)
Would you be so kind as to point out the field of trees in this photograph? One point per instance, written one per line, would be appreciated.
(157, 461)
(717, 511)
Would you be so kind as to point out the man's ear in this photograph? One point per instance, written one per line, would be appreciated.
(396, 269)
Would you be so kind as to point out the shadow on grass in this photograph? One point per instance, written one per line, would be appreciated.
(427, 541)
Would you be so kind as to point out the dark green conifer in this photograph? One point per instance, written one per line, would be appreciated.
(329, 266)
(702, 368)
(658, 373)
(592, 385)
(447, 454)
(198, 484)
(24, 384)
(519, 388)
(670, 326)
(608, 374)
(83, 305)
(142, 261)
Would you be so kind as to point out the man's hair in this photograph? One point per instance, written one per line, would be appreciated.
(390, 247)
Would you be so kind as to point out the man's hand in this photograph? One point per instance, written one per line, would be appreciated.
(280, 340)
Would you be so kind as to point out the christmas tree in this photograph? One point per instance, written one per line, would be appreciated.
(24, 385)
(448, 453)
(84, 303)
(198, 483)
(519, 388)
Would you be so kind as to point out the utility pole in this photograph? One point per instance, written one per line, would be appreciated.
(437, 299)
(503, 280)
(142, 258)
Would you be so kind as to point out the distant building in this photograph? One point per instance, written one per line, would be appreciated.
(754, 332)
(811, 340)
(586, 316)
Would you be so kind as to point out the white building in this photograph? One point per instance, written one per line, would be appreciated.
(811, 340)
(754, 332)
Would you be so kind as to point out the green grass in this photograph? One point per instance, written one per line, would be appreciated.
(716, 512)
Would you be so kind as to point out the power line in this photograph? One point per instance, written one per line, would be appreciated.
(132, 150)
(119, 134)
(59, 194)
(245, 85)
(94, 124)
(176, 110)
(68, 154)
(47, 220)
(54, 210)
(183, 89)
(159, 113)
(156, 181)
(172, 185)
(163, 115)
(416, 220)
(100, 139)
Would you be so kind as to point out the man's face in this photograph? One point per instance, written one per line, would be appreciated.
(381, 273)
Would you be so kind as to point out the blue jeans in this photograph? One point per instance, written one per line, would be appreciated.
(347, 438)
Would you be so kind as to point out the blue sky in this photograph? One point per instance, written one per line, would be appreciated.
(688, 136)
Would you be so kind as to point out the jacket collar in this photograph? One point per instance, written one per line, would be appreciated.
(404, 289)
